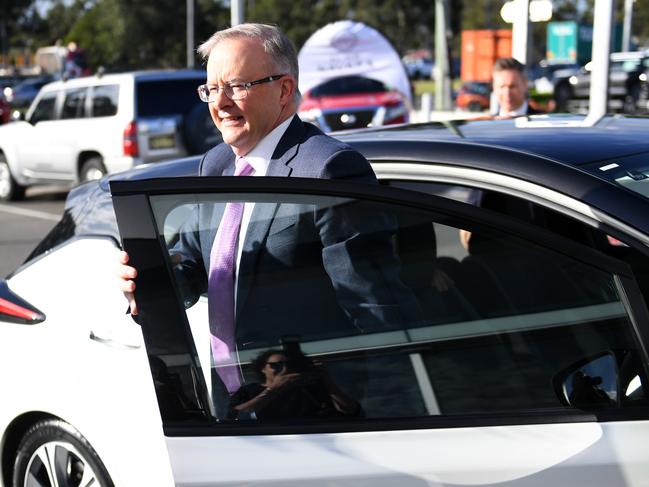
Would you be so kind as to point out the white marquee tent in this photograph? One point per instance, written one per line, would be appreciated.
(346, 48)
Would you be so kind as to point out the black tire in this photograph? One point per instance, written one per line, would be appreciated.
(199, 130)
(92, 169)
(52, 449)
(562, 96)
(10, 190)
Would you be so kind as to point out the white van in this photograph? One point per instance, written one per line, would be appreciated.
(83, 128)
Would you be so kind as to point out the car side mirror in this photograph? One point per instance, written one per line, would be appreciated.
(590, 383)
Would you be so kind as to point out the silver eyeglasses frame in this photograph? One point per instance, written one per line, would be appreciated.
(234, 91)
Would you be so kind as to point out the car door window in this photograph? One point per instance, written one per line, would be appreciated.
(104, 100)
(74, 103)
(355, 309)
(45, 110)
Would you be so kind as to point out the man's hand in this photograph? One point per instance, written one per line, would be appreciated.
(126, 274)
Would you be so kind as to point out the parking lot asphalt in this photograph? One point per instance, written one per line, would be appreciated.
(24, 223)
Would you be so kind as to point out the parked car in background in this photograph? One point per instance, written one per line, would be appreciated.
(84, 128)
(473, 96)
(628, 85)
(353, 102)
(526, 365)
(419, 67)
(21, 94)
(544, 77)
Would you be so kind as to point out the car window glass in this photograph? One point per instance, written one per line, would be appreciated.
(104, 100)
(156, 98)
(45, 110)
(350, 309)
(630, 170)
(74, 103)
(348, 85)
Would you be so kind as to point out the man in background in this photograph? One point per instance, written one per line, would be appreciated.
(510, 89)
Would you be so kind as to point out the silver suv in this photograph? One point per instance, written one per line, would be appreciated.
(83, 128)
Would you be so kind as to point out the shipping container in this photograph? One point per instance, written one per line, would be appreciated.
(480, 49)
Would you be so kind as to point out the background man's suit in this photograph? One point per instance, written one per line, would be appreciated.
(306, 271)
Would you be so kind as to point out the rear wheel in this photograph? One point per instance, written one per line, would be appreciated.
(54, 454)
(9, 188)
(92, 169)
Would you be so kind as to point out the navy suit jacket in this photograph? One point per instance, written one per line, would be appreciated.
(304, 270)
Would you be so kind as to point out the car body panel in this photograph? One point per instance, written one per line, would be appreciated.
(101, 346)
(554, 449)
(93, 370)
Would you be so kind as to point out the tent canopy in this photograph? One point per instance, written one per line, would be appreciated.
(346, 48)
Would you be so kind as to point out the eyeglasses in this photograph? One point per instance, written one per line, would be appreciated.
(237, 91)
(276, 366)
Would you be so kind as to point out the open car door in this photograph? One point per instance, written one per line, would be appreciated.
(405, 359)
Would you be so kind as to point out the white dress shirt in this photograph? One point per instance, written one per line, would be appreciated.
(519, 112)
(259, 158)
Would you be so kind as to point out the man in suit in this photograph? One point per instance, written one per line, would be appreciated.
(510, 88)
(299, 269)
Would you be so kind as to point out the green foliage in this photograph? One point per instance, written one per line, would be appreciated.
(137, 34)
(100, 32)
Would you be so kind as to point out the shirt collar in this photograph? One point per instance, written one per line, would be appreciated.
(519, 112)
(259, 157)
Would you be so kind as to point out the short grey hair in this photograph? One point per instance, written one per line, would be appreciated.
(279, 47)
(509, 64)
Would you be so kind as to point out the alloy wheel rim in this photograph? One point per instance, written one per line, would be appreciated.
(59, 464)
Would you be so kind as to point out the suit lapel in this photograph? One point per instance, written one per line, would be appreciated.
(263, 213)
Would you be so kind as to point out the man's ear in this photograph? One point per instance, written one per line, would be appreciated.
(289, 86)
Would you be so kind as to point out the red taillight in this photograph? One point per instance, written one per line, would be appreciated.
(15, 310)
(11, 309)
(129, 144)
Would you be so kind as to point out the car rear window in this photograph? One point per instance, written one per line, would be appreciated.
(166, 97)
(348, 85)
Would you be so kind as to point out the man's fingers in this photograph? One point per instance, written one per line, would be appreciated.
(133, 306)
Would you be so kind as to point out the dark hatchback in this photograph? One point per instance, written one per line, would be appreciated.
(532, 337)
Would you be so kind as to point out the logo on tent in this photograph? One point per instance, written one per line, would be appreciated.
(344, 41)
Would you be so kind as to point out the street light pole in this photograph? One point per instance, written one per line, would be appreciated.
(626, 31)
(521, 31)
(190, 34)
(442, 75)
(602, 27)
(236, 12)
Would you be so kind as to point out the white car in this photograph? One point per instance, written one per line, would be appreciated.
(525, 362)
(84, 128)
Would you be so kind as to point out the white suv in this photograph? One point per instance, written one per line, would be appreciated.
(83, 128)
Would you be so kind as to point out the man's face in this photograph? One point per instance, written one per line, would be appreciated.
(243, 123)
(510, 88)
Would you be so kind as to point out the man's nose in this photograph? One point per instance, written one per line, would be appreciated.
(222, 100)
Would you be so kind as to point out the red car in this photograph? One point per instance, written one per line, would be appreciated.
(353, 102)
(474, 96)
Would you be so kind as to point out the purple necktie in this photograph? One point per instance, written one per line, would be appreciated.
(221, 289)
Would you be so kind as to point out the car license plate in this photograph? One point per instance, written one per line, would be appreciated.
(162, 141)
